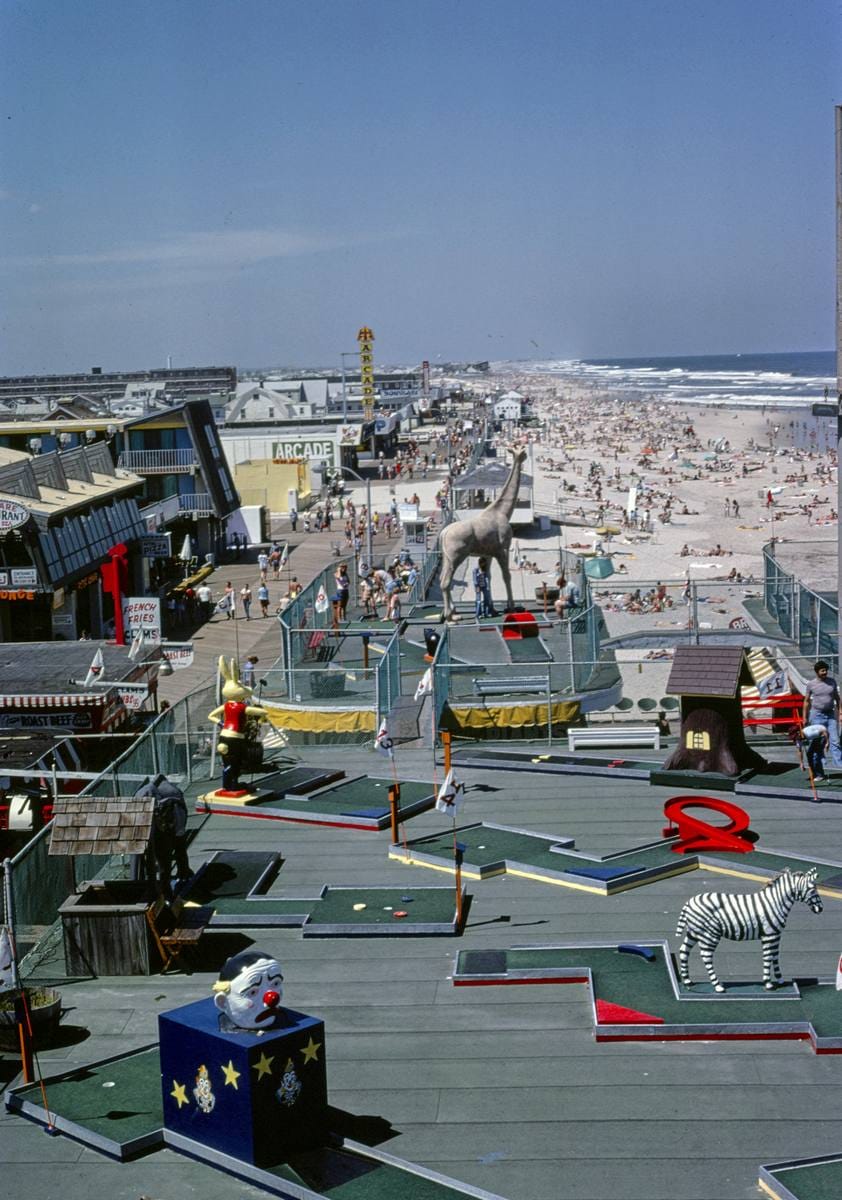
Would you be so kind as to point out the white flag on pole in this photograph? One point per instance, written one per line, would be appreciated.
(322, 602)
(383, 742)
(425, 684)
(95, 670)
(451, 794)
(7, 961)
(137, 644)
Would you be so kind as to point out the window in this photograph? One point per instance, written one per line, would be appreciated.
(697, 741)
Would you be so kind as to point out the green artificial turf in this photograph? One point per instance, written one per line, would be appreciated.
(355, 795)
(342, 1175)
(631, 981)
(486, 846)
(821, 1181)
(528, 650)
(120, 1100)
(422, 906)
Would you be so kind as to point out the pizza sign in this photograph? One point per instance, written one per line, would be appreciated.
(12, 515)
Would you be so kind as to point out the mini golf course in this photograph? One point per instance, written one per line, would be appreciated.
(317, 799)
(635, 995)
(235, 883)
(807, 1179)
(490, 849)
(115, 1106)
(782, 779)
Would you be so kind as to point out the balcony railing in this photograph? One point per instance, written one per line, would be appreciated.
(199, 504)
(159, 462)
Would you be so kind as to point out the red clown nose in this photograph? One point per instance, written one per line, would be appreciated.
(270, 999)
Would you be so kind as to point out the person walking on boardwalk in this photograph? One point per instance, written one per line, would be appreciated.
(263, 599)
(228, 603)
(245, 599)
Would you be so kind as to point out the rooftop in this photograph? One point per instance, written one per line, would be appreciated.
(501, 1087)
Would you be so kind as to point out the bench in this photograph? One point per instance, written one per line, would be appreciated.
(615, 735)
(500, 685)
(176, 928)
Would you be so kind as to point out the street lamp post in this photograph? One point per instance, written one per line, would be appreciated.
(343, 354)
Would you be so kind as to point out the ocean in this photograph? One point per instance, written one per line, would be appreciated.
(736, 380)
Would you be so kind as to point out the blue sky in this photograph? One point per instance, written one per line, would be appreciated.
(249, 182)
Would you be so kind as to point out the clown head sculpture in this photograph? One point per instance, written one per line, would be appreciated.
(249, 991)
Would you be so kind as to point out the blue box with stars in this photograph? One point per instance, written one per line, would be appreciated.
(256, 1096)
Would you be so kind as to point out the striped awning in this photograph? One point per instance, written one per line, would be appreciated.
(77, 700)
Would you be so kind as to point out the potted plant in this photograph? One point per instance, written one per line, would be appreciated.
(44, 1010)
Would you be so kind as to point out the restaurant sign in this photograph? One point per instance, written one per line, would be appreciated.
(155, 545)
(142, 613)
(12, 515)
(46, 720)
(178, 654)
(133, 695)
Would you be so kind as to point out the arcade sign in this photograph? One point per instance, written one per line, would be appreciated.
(12, 515)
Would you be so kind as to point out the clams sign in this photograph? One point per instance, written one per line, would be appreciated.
(12, 515)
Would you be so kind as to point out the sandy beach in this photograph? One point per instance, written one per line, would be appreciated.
(703, 477)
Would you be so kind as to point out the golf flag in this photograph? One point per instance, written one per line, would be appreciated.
(839, 975)
(137, 644)
(321, 600)
(95, 670)
(425, 684)
(383, 742)
(284, 556)
(7, 961)
(450, 795)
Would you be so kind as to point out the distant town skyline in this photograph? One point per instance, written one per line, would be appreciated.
(248, 184)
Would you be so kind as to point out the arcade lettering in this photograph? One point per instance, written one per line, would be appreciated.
(305, 448)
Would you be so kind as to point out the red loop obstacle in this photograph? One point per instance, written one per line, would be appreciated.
(695, 834)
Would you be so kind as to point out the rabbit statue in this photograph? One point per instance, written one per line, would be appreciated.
(237, 719)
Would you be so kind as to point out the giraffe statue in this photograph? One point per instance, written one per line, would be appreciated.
(488, 534)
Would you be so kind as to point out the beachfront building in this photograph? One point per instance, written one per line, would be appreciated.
(21, 392)
(509, 407)
(478, 487)
(174, 450)
(70, 531)
(188, 488)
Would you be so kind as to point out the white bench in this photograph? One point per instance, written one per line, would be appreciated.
(615, 735)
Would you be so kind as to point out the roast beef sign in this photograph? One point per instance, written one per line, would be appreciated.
(12, 515)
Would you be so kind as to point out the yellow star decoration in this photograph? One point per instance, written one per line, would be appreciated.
(311, 1051)
(231, 1075)
(179, 1093)
(263, 1066)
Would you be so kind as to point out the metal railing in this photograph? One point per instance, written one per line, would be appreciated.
(427, 570)
(198, 503)
(159, 462)
(178, 743)
(809, 618)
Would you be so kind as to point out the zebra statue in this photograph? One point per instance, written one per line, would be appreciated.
(711, 916)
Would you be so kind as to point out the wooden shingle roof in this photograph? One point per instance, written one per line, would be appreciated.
(708, 671)
(101, 825)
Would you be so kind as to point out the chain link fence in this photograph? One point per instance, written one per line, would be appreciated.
(810, 618)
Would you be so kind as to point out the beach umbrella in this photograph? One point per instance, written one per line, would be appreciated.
(186, 551)
(599, 567)
(605, 530)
